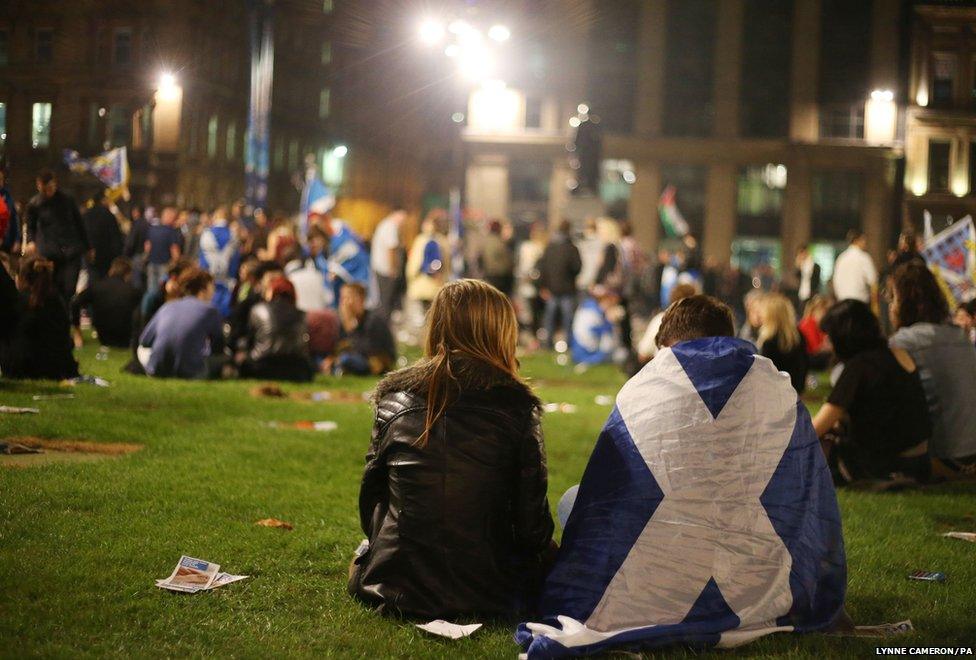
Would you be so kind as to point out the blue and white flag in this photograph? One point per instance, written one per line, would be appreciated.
(111, 168)
(317, 199)
(951, 256)
(220, 256)
(706, 515)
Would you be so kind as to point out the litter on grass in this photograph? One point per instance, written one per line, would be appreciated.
(30, 451)
(448, 629)
(567, 408)
(48, 397)
(304, 425)
(14, 410)
(272, 391)
(14, 448)
(962, 536)
(274, 522)
(192, 575)
(87, 380)
(881, 630)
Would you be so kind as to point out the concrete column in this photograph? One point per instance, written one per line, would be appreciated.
(558, 192)
(720, 212)
(642, 208)
(650, 74)
(797, 209)
(486, 185)
(806, 60)
(876, 214)
(728, 68)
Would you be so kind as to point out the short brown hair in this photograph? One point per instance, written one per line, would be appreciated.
(693, 318)
(193, 280)
(121, 267)
(918, 296)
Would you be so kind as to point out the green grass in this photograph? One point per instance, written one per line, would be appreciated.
(81, 543)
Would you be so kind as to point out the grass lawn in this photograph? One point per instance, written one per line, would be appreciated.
(80, 543)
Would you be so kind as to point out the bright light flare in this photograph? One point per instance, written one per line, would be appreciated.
(499, 33)
(168, 88)
(885, 95)
(341, 151)
(431, 32)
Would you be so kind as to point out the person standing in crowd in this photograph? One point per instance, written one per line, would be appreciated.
(135, 245)
(185, 335)
(559, 269)
(855, 276)
(38, 345)
(458, 436)
(163, 245)
(965, 318)
(219, 255)
(946, 363)
(277, 337)
(348, 260)
(384, 259)
(104, 236)
(527, 280)
(780, 340)
(591, 251)
(807, 275)
(497, 260)
(56, 232)
(816, 340)
(9, 222)
(908, 250)
(875, 422)
(366, 345)
(311, 295)
(428, 264)
(113, 302)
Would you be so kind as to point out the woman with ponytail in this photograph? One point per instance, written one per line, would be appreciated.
(39, 346)
(453, 499)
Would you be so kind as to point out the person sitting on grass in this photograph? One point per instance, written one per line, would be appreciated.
(946, 363)
(706, 514)
(781, 341)
(38, 343)
(453, 498)
(816, 340)
(185, 337)
(114, 303)
(365, 345)
(277, 337)
(875, 422)
(595, 333)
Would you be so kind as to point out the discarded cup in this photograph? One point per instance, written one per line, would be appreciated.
(927, 576)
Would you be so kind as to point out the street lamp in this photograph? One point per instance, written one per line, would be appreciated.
(431, 32)
(341, 151)
(499, 33)
(168, 88)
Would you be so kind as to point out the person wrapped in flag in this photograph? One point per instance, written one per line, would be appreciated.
(706, 515)
(220, 255)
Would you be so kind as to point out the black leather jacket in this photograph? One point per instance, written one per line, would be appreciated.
(276, 328)
(460, 526)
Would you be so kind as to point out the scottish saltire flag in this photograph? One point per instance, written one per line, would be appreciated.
(220, 256)
(706, 515)
(674, 223)
(111, 168)
(317, 199)
(592, 339)
(951, 255)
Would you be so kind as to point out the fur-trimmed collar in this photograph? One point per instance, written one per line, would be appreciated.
(469, 373)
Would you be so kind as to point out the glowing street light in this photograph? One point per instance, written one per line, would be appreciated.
(499, 33)
(340, 151)
(168, 89)
(431, 32)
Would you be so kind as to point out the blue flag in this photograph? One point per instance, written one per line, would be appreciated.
(111, 168)
(706, 515)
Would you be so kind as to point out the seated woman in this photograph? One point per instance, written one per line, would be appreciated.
(185, 337)
(816, 340)
(946, 363)
(114, 303)
(453, 499)
(38, 343)
(875, 422)
(277, 337)
(781, 342)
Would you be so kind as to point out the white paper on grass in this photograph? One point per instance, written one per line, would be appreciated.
(962, 536)
(448, 629)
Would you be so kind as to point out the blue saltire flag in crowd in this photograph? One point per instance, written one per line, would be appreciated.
(317, 199)
(706, 515)
(951, 256)
(220, 256)
(111, 168)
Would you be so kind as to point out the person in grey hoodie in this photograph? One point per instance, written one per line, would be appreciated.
(946, 363)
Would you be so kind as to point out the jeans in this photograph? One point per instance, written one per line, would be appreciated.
(564, 306)
(155, 274)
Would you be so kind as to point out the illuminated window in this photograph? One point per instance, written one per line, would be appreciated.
(759, 199)
(212, 126)
(842, 121)
(3, 122)
(44, 46)
(122, 47)
(944, 67)
(231, 145)
(326, 53)
(328, 6)
(41, 125)
(939, 165)
(325, 101)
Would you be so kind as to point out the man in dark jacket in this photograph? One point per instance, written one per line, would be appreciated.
(558, 267)
(104, 236)
(366, 345)
(113, 301)
(56, 232)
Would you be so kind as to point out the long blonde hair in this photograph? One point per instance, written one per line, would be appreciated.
(472, 319)
(778, 322)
